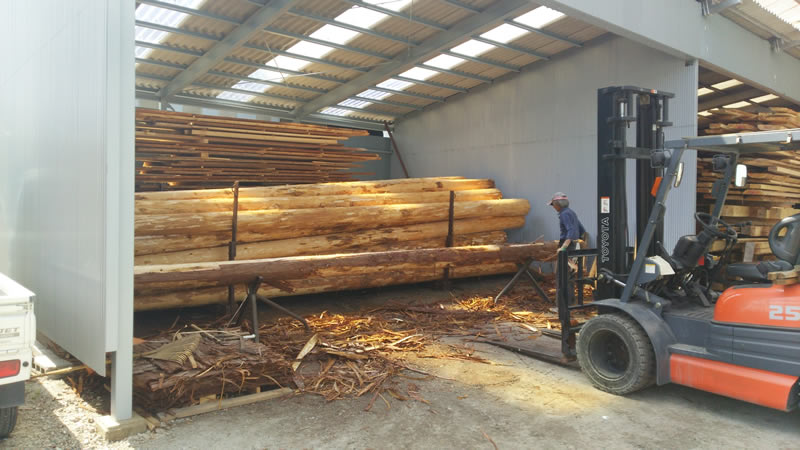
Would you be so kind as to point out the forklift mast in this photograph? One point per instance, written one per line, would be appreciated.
(618, 107)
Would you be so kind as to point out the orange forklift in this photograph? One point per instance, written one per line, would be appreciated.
(659, 319)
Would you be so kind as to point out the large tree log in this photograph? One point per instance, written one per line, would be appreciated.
(322, 273)
(297, 267)
(341, 188)
(281, 224)
(155, 250)
(208, 296)
(321, 201)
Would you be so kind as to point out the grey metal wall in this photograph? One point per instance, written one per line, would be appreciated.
(379, 168)
(535, 133)
(66, 173)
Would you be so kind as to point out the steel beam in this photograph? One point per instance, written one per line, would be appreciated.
(240, 35)
(197, 34)
(407, 94)
(400, 14)
(347, 26)
(168, 48)
(287, 72)
(389, 103)
(245, 91)
(714, 40)
(154, 62)
(457, 73)
(271, 83)
(362, 110)
(252, 108)
(486, 62)
(511, 47)
(461, 5)
(304, 58)
(431, 84)
(554, 36)
(493, 15)
(301, 37)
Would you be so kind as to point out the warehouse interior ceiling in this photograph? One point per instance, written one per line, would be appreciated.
(349, 62)
(716, 90)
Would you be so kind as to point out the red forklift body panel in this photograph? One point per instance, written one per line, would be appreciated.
(769, 389)
(773, 306)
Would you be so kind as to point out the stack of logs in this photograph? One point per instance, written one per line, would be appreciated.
(773, 181)
(192, 151)
(181, 231)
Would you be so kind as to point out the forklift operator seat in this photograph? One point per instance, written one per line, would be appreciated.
(786, 247)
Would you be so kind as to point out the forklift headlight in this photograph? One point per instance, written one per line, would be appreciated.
(741, 176)
(678, 175)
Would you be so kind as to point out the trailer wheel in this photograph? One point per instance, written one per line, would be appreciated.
(8, 419)
(616, 354)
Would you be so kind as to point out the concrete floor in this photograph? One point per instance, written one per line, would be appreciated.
(517, 402)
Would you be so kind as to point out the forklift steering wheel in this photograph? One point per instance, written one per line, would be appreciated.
(717, 227)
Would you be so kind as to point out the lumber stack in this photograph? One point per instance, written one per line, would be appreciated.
(773, 180)
(725, 120)
(191, 151)
(176, 230)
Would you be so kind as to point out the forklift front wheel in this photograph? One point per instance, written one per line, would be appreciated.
(616, 354)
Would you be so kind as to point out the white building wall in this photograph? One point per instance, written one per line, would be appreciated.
(66, 173)
(535, 133)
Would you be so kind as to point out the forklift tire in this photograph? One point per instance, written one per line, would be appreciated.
(8, 419)
(616, 354)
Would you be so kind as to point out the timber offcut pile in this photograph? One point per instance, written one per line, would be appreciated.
(321, 238)
(773, 180)
(724, 120)
(191, 151)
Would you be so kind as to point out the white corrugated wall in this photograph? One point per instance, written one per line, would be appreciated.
(535, 133)
(66, 172)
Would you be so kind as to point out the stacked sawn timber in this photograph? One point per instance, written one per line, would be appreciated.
(191, 151)
(291, 223)
(773, 183)
(724, 120)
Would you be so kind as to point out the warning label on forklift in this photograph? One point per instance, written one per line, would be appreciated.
(605, 205)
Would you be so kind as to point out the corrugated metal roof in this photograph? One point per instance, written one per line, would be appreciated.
(321, 68)
(775, 20)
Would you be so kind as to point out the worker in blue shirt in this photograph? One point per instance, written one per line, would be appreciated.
(571, 228)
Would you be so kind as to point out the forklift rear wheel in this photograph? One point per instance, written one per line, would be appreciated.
(616, 354)
(8, 419)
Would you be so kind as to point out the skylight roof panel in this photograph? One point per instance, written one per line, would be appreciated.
(361, 17)
(737, 105)
(704, 113)
(703, 91)
(444, 61)
(310, 49)
(377, 95)
(540, 17)
(397, 85)
(235, 96)
(287, 63)
(726, 84)
(504, 33)
(251, 86)
(336, 111)
(142, 52)
(355, 103)
(419, 73)
(150, 35)
(764, 98)
(267, 75)
(332, 33)
(472, 48)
